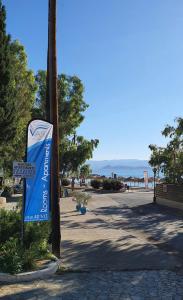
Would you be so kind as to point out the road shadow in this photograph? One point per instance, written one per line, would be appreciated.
(148, 218)
(101, 191)
(105, 255)
(151, 222)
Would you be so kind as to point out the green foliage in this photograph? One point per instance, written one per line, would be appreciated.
(85, 171)
(10, 225)
(39, 109)
(96, 183)
(18, 104)
(169, 159)
(11, 251)
(10, 257)
(28, 260)
(7, 192)
(14, 258)
(107, 184)
(65, 181)
(74, 150)
(17, 93)
(74, 153)
(81, 197)
(23, 89)
(70, 101)
(36, 233)
(7, 103)
(37, 250)
(116, 185)
(112, 184)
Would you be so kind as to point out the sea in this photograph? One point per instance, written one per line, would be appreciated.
(125, 171)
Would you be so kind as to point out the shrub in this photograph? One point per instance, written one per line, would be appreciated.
(10, 225)
(65, 181)
(81, 197)
(116, 185)
(112, 184)
(28, 260)
(36, 233)
(14, 258)
(7, 192)
(95, 183)
(107, 184)
(37, 250)
(10, 257)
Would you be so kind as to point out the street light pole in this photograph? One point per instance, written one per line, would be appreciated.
(53, 115)
(154, 197)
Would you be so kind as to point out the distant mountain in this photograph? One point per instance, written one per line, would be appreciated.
(120, 166)
(123, 166)
(95, 164)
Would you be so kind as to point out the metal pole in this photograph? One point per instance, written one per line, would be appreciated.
(53, 101)
(23, 209)
(24, 193)
(154, 198)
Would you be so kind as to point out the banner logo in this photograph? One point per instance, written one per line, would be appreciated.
(37, 192)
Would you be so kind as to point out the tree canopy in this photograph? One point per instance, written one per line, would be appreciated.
(74, 150)
(17, 94)
(169, 159)
(7, 103)
(85, 171)
(23, 96)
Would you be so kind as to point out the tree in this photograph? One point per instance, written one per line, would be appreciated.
(39, 108)
(169, 160)
(74, 153)
(7, 103)
(17, 94)
(23, 89)
(74, 150)
(85, 171)
(70, 101)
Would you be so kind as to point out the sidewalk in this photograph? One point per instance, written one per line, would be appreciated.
(136, 285)
(94, 242)
(103, 258)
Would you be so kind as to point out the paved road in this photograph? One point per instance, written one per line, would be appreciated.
(131, 199)
(161, 225)
(123, 248)
(122, 232)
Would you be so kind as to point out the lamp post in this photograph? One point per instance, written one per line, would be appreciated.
(154, 197)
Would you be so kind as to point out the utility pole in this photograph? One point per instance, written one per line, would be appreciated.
(52, 114)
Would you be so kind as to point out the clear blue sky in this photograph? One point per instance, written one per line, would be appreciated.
(129, 55)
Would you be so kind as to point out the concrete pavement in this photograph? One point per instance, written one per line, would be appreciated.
(123, 248)
(136, 285)
(118, 234)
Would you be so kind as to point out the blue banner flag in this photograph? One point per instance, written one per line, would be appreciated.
(37, 188)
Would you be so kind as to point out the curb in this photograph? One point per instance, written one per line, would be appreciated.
(29, 276)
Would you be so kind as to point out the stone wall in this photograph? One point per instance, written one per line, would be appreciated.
(172, 192)
(170, 195)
